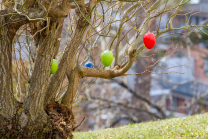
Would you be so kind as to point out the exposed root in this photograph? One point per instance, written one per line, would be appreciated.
(59, 125)
(62, 120)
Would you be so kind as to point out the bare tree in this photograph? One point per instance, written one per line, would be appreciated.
(37, 114)
(115, 105)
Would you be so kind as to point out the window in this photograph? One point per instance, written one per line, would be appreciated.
(173, 105)
(206, 66)
(197, 20)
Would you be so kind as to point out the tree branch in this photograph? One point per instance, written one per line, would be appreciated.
(66, 63)
(128, 117)
(170, 28)
(61, 10)
(141, 97)
(9, 24)
(107, 74)
(123, 20)
(7, 106)
(144, 25)
(126, 106)
(58, 38)
(41, 72)
(82, 71)
(92, 72)
(74, 79)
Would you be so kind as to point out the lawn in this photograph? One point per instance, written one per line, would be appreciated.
(176, 128)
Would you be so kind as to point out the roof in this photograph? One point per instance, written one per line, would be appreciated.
(192, 89)
(189, 89)
(184, 85)
(200, 7)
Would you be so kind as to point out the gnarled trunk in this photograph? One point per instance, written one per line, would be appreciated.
(41, 72)
(7, 108)
(31, 119)
(59, 124)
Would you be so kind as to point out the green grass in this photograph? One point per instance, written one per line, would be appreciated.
(176, 128)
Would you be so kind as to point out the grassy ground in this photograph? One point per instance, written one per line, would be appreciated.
(176, 128)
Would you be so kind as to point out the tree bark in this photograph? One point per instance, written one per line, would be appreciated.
(7, 107)
(30, 119)
(59, 124)
(67, 61)
(41, 72)
(81, 71)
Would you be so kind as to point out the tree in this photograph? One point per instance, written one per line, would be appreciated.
(39, 115)
(108, 106)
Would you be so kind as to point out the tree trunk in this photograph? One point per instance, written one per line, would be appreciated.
(41, 72)
(67, 61)
(7, 108)
(30, 119)
(59, 124)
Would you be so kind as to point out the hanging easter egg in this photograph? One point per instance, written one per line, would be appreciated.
(54, 66)
(107, 58)
(149, 40)
(89, 65)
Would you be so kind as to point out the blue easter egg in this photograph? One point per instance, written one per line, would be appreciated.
(89, 65)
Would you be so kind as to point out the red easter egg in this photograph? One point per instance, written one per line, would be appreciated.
(149, 40)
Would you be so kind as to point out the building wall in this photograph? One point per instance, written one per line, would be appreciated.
(181, 103)
(199, 54)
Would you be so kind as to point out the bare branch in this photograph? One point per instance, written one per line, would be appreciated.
(81, 71)
(61, 10)
(121, 30)
(144, 25)
(107, 74)
(126, 106)
(67, 60)
(140, 96)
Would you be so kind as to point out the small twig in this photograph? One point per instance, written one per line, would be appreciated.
(87, 19)
(20, 13)
(42, 28)
(78, 124)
